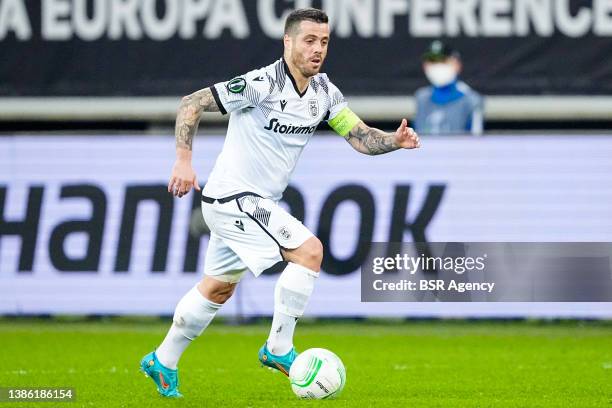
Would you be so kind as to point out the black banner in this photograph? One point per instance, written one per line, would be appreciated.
(172, 47)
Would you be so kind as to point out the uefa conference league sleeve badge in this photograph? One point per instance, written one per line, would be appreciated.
(236, 85)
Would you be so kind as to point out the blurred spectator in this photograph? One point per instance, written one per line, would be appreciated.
(448, 106)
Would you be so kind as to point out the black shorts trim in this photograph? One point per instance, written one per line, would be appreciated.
(258, 223)
(276, 268)
(223, 200)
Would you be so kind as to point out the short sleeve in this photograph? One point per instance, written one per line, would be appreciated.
(337, 101)
(241, 92)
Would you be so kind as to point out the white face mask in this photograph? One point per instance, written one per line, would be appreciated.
(440, 74)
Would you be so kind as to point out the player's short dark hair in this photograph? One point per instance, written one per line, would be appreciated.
(306, 14)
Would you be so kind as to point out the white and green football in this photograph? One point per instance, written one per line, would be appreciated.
(317, 373)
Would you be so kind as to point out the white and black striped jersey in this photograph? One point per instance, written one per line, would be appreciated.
(269, 125)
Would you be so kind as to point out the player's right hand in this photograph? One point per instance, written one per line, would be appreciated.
(183, 178)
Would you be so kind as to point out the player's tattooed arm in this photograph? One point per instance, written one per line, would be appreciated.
(183, 177)
(372, 141)
(189, 114)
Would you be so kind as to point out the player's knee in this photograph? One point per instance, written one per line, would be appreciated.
(216, 291)
(313, 254)
(221, 294)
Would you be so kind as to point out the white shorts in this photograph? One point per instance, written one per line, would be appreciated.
(247, 231)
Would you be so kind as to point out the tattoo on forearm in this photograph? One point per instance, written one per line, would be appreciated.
(371, 140)
(189, 113)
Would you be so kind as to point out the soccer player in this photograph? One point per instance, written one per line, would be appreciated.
(274, 112)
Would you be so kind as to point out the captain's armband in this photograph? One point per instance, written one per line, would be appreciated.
(344, 121)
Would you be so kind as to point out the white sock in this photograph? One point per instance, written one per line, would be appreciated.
(171, 349)
(280, 340)
(291, 294)
(192, 315)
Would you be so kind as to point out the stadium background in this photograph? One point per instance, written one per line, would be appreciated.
(88, 95)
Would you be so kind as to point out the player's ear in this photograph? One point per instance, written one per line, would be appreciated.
(287, 41)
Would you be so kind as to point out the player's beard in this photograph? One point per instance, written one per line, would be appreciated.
(304, 65)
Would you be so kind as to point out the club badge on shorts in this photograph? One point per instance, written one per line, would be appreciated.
(284, 232)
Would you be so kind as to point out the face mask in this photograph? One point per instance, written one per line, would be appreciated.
(441, 74)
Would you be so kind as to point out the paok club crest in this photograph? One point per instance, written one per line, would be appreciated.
(313, 108)
(284, 232)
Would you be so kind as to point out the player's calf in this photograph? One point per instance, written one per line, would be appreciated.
(291, 295)
(192, 315)
(293, 289)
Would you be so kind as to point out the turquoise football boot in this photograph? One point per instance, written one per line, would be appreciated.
(280, 363)
(166, 379)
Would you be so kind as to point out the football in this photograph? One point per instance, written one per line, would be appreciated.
(317, 374)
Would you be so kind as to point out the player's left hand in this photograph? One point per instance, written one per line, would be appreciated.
(183, 178)
(406, 137)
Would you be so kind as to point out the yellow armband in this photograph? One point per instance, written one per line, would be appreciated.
(344, 121)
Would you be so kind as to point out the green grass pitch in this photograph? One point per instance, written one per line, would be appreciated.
(389, 363)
